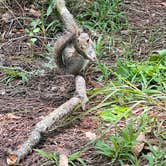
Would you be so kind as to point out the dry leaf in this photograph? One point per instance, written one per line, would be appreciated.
(138, 147)
(163, 4)
(12, 116)
(11, 159)
(90, 135)
(2, 92)
(35, 13)
(6, 16)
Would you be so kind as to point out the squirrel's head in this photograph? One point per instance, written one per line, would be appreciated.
(85, 47)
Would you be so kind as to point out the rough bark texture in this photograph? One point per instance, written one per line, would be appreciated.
(63, 160)
(80, 89)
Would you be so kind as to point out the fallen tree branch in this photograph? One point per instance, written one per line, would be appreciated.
(63, 160)
(42, 126)
(81, 90)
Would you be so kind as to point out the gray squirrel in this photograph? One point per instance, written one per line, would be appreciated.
(74, 49)
(71, 58)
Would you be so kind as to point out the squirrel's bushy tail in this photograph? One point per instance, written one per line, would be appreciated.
(59, 46)
(67, 17)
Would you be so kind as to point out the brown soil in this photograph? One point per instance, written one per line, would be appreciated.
(148, 23)
(23, 105)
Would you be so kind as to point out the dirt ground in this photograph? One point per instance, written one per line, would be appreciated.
(23, 105)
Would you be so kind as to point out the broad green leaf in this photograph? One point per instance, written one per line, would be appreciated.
(51, 7)
(162, 52)
(36, 30)
(113, 114)
(24, 77)
(49, 10)
(33, 40)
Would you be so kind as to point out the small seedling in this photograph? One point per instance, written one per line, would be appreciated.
(54, 157)
(14, 74)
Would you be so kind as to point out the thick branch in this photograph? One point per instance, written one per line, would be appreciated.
(80, 90)
(49, 120)
(63, 160)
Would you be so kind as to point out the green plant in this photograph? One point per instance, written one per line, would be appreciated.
(149, 74)
(114, 113)
(161, 132)
(75, 157)
(104, 69)
(119, 147)
(54, 157)
(47, 24)
(51, 7)
(17, 72)
(99, 44)
(103, 15)
(14, 74)
(127, 50)
(51, 22)
(156, 157)
(155, 35)
(35, 28)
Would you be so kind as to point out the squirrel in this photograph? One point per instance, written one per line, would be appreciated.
(75, 48)
(68, 60)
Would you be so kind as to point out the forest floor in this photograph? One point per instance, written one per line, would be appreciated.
(24, 103)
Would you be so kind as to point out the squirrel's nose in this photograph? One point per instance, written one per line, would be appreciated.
(93, 58)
